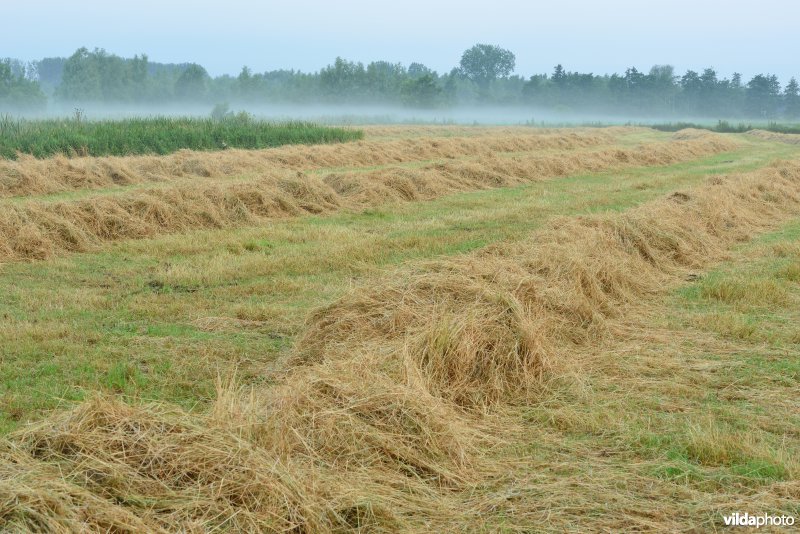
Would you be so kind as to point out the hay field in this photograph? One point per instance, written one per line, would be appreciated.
(438, 329)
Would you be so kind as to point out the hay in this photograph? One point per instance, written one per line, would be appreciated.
(37, 229)
(31, 176)
(378, 426)
(789, 139)
(687, 134)
(485, 327)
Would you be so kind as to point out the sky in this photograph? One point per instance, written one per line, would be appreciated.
(599, 36)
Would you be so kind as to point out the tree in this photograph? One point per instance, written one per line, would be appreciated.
(192, 83)
(422, 92)
(416, 70)
(763, 93)
(483, 63)
(791, 99)
(343, 79)
(17, 92)
(247, 83)
(80, 80)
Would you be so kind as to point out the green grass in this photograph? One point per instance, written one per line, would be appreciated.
(158, 135)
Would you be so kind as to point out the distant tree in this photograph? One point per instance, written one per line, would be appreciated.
(17, 91)
(662, 82)
(762, 96)
(483, 64)
(736, 81)
(192, 84)
(791, 99)
(417, 70)
(247, 84)
(559, 76)
(422, 92)
(139, 73)
(80, 79)
(343, 80)
(709, 92)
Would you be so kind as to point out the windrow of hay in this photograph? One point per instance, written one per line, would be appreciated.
(790, 139)
(31, 176)
(485, 327)
(375, 428)
(38, 229)
(692, 133)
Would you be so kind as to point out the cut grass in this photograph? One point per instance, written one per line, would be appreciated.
(635, 430)
(36, 230)
(83, 313)
(646, 425)
(158, 135)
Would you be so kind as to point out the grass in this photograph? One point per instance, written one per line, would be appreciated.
(157, 136)
(663, 423)
(138, 302)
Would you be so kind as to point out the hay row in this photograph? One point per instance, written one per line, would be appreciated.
(775, 137)
(31, 176)
(378, 427)
(38, 230)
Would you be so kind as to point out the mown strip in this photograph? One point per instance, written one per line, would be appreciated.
(29, 176)
(381, 427)
(162, 317)
(38, 230)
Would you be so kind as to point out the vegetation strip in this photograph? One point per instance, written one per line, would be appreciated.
(392, 386)
(159, 136)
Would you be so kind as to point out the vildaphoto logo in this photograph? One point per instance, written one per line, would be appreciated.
(748, 520)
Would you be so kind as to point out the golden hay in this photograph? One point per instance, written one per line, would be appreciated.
(790, 139)
(692, 133)
(487, 325)
(374, 429)
(37, 229)
(31, 176)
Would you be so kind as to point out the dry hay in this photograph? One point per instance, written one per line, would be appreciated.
(490, 324)
(31, 176)
(789, 139)
(37, 229)
(692, 133)
(375, 428)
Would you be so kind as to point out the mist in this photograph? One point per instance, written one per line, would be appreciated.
(444, 62)
(367, 114)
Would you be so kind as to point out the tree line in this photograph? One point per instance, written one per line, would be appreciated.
(484, 76)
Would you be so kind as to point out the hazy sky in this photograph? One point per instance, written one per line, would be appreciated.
(590, 36)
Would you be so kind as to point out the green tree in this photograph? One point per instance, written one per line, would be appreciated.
(192, 84)
(791, 99)
(482, 64)
(344, 80)
(422, 92)
(762, 96)
(17, 91)
(247, 84)
(80, 79)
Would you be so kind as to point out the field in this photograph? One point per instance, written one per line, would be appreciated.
(158, 135)
(438, 329)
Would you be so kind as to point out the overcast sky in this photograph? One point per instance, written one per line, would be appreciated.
(599, 36)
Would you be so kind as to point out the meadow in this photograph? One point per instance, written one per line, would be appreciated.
(156, 135)
(428, 329)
